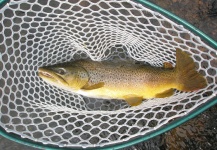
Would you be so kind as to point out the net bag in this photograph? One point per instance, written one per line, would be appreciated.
(37, 33)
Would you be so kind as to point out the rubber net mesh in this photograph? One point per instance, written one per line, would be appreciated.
(37, 33)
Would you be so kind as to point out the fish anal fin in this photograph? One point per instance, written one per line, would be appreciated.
(166, 93)
(133, 100)
(94, 86)
(168, 65)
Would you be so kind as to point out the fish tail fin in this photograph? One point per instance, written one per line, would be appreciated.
(188, 79)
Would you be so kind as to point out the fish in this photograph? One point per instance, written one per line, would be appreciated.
(125, 81)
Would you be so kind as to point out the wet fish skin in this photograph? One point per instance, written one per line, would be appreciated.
(131, 82)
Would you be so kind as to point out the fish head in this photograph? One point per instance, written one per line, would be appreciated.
(68, 76)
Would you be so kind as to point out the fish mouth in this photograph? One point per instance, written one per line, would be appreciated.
(51, 76)
(45, 74)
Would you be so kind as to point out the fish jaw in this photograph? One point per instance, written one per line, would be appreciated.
(51, 77)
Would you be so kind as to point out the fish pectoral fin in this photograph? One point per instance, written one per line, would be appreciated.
(166, 93)
(94, 86)
(168, 65)
(133, 100)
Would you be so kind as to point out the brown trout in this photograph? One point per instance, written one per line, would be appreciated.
(131, 82)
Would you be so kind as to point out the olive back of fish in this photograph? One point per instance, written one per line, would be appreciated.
(126, 75)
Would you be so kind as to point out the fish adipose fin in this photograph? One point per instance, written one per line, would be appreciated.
(168, 65)
(94, 86)
(166, 93)
(188, 79)
(133, 100)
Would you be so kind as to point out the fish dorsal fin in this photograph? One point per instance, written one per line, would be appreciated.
(94, 86)
(133, 100)
(168, 65)
(166, 93)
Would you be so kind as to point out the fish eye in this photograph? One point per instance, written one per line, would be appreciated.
(61, 71)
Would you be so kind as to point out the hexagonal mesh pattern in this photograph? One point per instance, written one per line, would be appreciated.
(37, 33)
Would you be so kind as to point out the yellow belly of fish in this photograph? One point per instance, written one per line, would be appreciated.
(133, 96)
(116, 92)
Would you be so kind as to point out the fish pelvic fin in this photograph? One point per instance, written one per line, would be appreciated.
(133, 100)
(188, 79)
